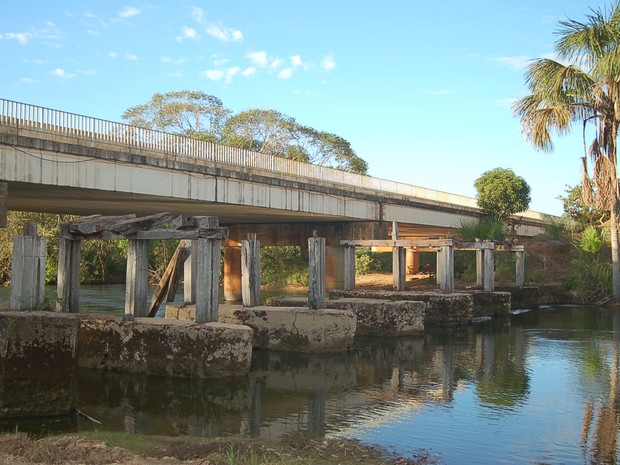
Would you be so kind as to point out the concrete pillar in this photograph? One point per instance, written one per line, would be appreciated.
(520, 268)
(232, 273)
(250, 271)
(334, 267)
(349, 267)
(479, 267)
(398, 268)
(447, 269)
(412, 261)
(68, 282)
(28, 269)
(489, 270)
(207, 271)
(137, 281)
(4, 201)
(189, 274)
(316, 272)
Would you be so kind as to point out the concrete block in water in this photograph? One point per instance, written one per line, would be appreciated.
(295, 329)
(165, 347)
(38, 363)
(491, 303)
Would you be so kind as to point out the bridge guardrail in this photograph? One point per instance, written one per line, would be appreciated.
(97, 130)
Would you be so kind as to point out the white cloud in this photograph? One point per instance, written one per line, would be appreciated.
(131, 57)
(506, 102)
(219, 61)
(198, 14)
(21, 37)
(112, 54)
(328, 63)
(58, 72)
(27, 81)
(441, 92)
(225, 34)
(258, 58)
(516, 62)
(172, 61)
(286, 73)
(231, 72)
(276, 63)
(175, 74)
(87, 72)
(187, 33)
(129, 11)
(249, 71)
(296, 60)
(213, 74)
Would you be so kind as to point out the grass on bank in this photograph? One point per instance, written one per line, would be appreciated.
(102, 448)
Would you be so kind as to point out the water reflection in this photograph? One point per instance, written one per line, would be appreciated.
(540, 387)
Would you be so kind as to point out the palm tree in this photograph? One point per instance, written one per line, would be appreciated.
(586, 90)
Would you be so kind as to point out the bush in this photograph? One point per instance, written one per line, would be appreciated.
(285, 265)
(367, 262)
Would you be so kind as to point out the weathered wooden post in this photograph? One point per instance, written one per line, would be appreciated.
(136, 287)
(4, 202)
(489, 269)
(232, 272)
(520, 265)
(28, 269)
(349, 267)
(250, 271)
(316, 272)
(68, 282)
(398, 262)
(440, 267)
(479, 267)
(189, 274)
(447, 268)
(207, 253)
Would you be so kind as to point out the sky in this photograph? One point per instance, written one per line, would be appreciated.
(422, 90)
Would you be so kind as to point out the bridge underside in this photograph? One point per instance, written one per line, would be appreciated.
(273, 227)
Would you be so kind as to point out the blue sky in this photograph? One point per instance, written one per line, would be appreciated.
(421, 89)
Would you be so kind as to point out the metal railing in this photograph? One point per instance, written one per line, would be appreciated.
(95, 130)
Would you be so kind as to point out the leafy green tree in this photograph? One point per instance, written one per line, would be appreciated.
(582, 214)
(502, 193)
(274, 133)
(586, 90)
(190, 113)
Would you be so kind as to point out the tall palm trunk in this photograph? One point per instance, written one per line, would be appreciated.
(615, 257)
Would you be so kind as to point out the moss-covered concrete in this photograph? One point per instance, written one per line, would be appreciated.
(38, 363)
(295, 329)
(165, 347)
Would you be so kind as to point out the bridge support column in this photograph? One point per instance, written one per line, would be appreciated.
(232, 273)
(316, 272)
(250, 271)
(520, 268)
(349, 267)
(334, 267)
(488, 270)
(137, 281)
(207, 260)
(412, 261)
(4, 202)
(68, 282)
(445, 268)
(28, 269)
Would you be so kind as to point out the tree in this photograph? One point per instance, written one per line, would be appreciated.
(502, 193)
(274, 133)
(581, 214)
(586, 91)
(190, 113)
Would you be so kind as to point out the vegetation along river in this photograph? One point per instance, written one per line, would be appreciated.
(538, 387)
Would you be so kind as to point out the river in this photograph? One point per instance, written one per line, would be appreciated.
(539, 387)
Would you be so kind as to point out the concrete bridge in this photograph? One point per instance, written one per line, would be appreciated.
(59, 162)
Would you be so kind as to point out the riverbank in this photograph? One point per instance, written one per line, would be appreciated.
(129, 449)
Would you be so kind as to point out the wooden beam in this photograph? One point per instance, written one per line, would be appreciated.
(68, 282)
(136, 286)
(316, 272)
(162, 290)
(143, 223)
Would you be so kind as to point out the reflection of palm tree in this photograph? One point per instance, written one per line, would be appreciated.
(604, 447)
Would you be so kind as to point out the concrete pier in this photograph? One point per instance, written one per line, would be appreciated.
(38, 362)
(165, 347)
